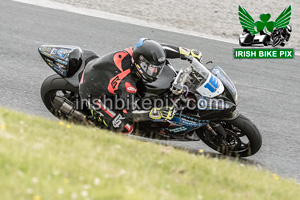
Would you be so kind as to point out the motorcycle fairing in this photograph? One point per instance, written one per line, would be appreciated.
(181, 124)
(221, 75)
(212, 87)
(178, 127)
(64, 60)
(208, 85)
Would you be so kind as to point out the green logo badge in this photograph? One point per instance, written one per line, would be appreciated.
(264, 32)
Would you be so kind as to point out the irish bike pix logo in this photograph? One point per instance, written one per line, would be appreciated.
(266, 36)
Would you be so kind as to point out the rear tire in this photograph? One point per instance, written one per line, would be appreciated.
(238, 130)
(50, 87)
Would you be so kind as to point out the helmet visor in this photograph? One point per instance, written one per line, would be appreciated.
(150, 69)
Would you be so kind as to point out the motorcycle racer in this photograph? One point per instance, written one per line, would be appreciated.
(281, 35)
(118, 73)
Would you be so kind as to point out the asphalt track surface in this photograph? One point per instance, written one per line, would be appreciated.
(269, 90)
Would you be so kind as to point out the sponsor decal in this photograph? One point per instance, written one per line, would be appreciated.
(117, 121)
(182, 121)
(213, 84)
(130, 88)
(53, 51)
(59, 68)
(46, 49)
(190, 123)
(180, 129)
(62, 53)
(115, 82)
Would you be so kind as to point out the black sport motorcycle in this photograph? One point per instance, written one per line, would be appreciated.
(206, 102)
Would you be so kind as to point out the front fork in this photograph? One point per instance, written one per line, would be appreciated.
(217, 130)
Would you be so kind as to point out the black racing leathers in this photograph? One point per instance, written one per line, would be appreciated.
(113, 77)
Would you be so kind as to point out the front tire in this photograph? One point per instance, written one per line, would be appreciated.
(243, 138)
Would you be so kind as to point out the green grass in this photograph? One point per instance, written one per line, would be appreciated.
(42, 159)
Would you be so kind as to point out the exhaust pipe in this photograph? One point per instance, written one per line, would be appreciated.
(68, 109)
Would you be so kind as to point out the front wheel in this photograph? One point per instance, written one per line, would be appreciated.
(240, 137)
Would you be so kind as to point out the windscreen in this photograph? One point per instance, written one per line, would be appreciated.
(210, 86)
(197, 78)
(201, 69)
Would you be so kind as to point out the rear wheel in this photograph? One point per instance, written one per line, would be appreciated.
(242, 137)
(56, 86)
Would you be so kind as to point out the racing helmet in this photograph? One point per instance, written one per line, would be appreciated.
(149, 59)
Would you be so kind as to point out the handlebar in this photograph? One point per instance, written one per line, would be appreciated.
(189, 76)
